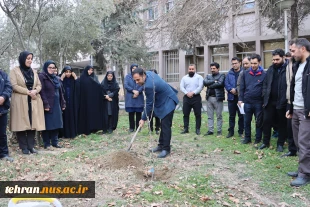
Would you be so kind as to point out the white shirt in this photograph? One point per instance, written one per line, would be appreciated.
(192, 84)
(298, 98)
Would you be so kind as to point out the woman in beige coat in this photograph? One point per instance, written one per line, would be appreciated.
(27, 113)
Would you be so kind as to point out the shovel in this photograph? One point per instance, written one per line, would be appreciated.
(133, 138)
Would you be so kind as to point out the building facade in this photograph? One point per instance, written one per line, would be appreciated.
(244, 34)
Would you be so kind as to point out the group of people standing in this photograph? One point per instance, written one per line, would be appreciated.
(54, 105)
(277, 98)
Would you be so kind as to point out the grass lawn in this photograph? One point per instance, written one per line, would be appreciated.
(201, 171)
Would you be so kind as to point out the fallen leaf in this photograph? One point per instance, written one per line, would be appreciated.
(226, 204)
(248, 204)
(156, 205)
(111, 204)
(235, 200)
(283, 204)
(158, 192)
(205, 198)
(296, 195)
(237, 152)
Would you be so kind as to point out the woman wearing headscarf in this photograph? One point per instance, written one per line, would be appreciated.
(68, 78)
(26, 114)
(53, 102)
(110, 89)
(133, 100)
(89, 103)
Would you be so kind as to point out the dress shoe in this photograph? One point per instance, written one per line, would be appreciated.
(279, 148)
(300, 181)
(131, 130)
(246, 141)
(198, 131)
(33, 151)
(289, 154)
(157, 131)
(57, 146)
(219, 133)
(110, 131)
(293, 174)
(104, 132)
(7, 158)
(156, 149)
(185, 131)
(25, 151)
(230, 134)
(208, 133)
(263, 146)
(163, 154)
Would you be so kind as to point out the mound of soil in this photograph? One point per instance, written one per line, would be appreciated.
(121, 160)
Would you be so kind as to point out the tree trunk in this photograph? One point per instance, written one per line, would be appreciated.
(121, 72)
(294, 20)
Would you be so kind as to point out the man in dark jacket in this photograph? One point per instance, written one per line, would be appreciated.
(299, 108)
(5, 94)
(274, 93)
(250, 93)
(231, 87)
(215, 96)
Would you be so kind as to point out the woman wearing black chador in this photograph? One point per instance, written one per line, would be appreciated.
(69, 115)
(89, 103)
(110, 89)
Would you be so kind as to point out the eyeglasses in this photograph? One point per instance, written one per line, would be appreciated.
(52, 68)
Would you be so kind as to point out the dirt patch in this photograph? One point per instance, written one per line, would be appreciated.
(121, 160)
(160, 174)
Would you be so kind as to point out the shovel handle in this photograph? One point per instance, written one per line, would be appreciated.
(133, 138)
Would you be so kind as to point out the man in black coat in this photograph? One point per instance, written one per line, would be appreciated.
(215, 96)
(5, 94)
(299, 108)
(274, 93)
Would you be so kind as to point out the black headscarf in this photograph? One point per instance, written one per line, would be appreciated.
(26, 71)
(106, 84)
(133, 65)
(53, 77)
(67, 67)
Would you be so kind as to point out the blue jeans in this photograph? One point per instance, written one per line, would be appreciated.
(4, 151)
(249, 110)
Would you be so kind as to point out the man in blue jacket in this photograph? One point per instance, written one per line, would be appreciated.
(231, 87)
(162, 99)
(250, 93)
(5, 94)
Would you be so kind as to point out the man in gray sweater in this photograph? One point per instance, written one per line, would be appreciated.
(299, 108)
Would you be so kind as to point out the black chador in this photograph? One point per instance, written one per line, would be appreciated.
(69, 114)
(89, 103)
(110, 89)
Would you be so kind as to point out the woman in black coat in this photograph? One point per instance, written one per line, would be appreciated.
(110, 89)
(89, 103)
(68, 79)
(53, 102)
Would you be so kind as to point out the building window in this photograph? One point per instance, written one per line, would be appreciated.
(221, 56)
(267, 53)
(168, 5)
(152, 11)
(154, 61)
(245, 49)
(171, 65)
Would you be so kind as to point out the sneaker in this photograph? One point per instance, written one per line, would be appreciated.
(7, 158)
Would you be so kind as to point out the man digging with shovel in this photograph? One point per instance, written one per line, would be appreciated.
(162, 99)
